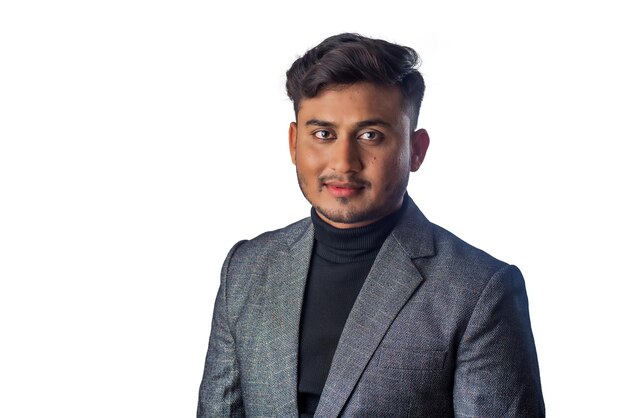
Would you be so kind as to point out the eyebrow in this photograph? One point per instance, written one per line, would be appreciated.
(317, 122)
(361, 124)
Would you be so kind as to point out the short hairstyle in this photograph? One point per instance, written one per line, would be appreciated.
(348, 58)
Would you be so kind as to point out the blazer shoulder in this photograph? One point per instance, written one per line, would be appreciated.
(463, 264)
(421, 238)
(453, 248)
(249, 260)
(272, 241)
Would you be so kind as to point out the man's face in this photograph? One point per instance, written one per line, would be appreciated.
(353, 150)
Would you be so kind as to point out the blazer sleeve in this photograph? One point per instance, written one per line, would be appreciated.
(220, 391)
(497, 373)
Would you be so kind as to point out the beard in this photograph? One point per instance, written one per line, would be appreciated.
(351, 212)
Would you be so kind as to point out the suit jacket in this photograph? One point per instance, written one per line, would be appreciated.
(439, 329)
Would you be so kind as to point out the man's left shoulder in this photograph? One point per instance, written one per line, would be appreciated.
(455, 251)
(422, 238)
(447, 261)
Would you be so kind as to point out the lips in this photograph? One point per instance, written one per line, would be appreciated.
(338, 189)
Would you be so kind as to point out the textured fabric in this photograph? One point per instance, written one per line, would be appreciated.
(341, 260)
(353, 244)
(331, 290)
(439, 329)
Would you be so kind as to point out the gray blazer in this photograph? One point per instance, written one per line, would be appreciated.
(439, 329)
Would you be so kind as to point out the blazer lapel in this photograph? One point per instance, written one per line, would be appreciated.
(286, 281)
(390, 283)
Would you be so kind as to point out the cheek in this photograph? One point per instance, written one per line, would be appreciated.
(309, 161)
(391, 158)
(389, 168)
(402, 160)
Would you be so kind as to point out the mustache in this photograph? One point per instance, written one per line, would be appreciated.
(352, 181)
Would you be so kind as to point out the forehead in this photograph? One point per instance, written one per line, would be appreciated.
(354, 102)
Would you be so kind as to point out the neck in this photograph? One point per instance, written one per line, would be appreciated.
(342, 244)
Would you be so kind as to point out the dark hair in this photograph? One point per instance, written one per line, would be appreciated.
(349, 58)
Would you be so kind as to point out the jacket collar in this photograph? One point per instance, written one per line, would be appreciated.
(392, 280)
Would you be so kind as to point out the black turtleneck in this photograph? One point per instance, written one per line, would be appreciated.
(341, 260)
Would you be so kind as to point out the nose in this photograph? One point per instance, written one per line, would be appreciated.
(345, 156)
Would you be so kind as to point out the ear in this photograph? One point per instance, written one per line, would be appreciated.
(419, 145)
(293, 134)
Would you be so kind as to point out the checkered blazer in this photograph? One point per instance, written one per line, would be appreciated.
(439, 329)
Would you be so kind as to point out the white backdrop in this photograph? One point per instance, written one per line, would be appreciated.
(139, 140)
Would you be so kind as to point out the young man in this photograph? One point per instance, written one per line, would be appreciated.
(366, 308)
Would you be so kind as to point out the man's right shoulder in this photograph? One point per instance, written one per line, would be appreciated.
(277, 240)
(257, 253)
(247, 263)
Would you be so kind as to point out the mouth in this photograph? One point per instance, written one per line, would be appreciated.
(341, 189)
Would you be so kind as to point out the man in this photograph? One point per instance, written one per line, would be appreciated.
(365, 308)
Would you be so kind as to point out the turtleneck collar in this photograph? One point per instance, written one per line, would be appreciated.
(353, 244)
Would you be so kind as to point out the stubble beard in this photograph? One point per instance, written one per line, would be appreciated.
(370, 212)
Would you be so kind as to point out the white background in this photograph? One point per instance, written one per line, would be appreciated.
(139, 140)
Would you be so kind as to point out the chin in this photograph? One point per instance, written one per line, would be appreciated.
(348, 216)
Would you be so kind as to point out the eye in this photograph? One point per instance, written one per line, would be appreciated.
(371, 136)
(322, 134)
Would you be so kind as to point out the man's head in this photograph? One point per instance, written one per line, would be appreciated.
(354, 141)
(349, 58)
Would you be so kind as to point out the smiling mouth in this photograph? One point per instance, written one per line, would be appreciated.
(338, 189)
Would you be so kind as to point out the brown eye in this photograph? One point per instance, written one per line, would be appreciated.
(322, 134)
(370, 136)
